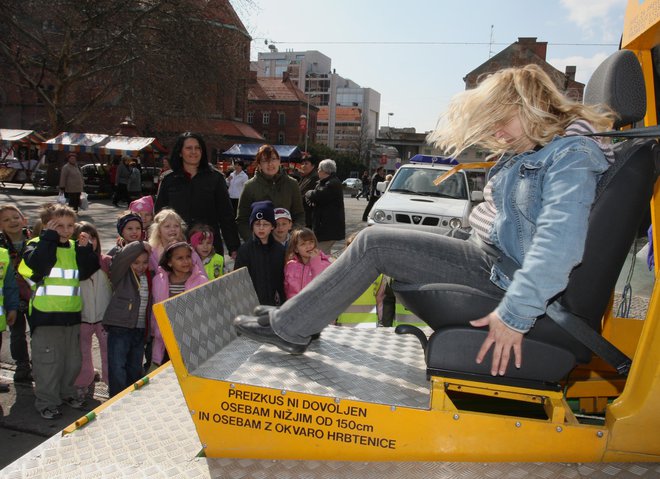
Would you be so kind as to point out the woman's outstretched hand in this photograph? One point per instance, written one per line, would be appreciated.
(503, 339)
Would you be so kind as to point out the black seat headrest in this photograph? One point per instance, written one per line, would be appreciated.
(619, 83)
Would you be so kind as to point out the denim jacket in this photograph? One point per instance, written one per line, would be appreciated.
(543, 200)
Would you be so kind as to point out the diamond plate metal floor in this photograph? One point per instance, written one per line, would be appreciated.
(351, 366)
(149, 434)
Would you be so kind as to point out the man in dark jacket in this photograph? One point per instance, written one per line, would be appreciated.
(308, 180)
(374, 194)
(327, 203)
(198, 192)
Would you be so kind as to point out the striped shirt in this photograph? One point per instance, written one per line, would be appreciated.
(483, 215)
(177, 288)
(144, 299)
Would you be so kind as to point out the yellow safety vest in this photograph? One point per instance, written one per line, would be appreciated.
(404, 316)
(59, 292)
(363, 309)
(4, 264)
(214, 268)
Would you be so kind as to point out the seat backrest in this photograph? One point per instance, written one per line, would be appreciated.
(622, 201)
(623, 193)
(618, 82)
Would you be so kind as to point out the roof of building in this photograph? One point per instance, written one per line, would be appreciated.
(210, 126)
(523, 52)
(223, 15)
(275, 89)
(342, 114)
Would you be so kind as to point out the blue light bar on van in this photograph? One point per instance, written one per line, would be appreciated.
(439, 160)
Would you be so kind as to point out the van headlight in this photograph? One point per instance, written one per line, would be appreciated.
(455, 223)
(381, 216)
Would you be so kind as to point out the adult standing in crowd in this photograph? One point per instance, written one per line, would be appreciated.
(71, 181)
(236, 183)
(198, 192)
(269, 183)
(121, 181)
(134, 186)
(327, 202)
(308, 180)
(374, 194)
(364, 192)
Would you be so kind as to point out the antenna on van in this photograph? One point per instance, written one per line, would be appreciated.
(492, 40)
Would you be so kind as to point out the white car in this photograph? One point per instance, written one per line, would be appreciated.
(412, 199)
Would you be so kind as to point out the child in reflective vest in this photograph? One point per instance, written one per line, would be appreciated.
(14, 237)
(54, 265)
(201, 239)
(8, 298)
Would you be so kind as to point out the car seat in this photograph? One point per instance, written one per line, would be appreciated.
(549, 351)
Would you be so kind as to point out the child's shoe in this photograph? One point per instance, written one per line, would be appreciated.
(75, 403)
(50, 413)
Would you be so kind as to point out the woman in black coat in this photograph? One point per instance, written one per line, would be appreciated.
(198, 192)
(327, 202)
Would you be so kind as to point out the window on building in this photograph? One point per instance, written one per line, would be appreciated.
(281, 119)
(250, 117)
(281, 138)
(266, 118)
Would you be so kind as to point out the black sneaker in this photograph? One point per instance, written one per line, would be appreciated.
(75, 403)
(50, 413)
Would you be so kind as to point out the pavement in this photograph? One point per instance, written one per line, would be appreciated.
(21, 427)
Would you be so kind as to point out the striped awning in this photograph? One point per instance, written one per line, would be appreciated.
(8, 135)
(103, 144)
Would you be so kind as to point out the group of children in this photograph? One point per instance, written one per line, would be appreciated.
(280, 261)
(70, 291)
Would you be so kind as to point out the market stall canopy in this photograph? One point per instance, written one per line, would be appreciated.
(248, 151)
(8, 135)
(103, 144)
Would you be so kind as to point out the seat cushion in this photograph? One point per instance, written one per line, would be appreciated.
(454, 349)
(441, 305)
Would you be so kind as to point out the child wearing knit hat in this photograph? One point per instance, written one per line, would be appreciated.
(201, 238)
(145, 208)
(263, 255)
(129, 228)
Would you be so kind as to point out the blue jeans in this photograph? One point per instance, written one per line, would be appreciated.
(408, 256)
(125, 356)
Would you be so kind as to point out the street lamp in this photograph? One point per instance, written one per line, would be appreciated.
(388, 118)
(309, 97)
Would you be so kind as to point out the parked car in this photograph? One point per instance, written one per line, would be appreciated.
(150, 178)
(97, 180)
(352, 185)
(412, 199)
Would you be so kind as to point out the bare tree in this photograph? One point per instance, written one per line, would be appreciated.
(86, 60)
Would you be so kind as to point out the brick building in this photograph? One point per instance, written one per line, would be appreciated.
(523, 52)
(222, 123)
(276, 109)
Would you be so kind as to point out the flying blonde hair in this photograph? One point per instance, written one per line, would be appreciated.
(474, 116)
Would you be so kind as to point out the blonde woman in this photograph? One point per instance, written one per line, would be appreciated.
(539, 194)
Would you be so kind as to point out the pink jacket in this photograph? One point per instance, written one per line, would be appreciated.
(157, 252)
(298, 275)
(160, 292)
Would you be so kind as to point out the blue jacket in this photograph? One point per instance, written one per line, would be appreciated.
(543, 200)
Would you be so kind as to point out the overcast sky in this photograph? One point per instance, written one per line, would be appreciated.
(416, 52)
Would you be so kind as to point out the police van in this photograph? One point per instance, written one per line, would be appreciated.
(414, 199)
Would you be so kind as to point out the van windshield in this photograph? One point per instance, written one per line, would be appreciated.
(416, 181)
